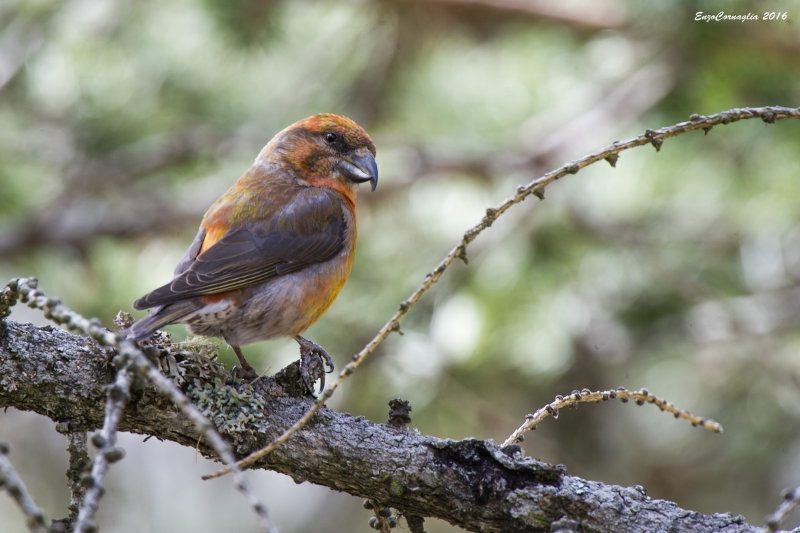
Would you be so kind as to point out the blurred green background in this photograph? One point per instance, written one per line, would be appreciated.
(679, 271)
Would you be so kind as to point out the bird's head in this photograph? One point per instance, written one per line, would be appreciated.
(325, 150)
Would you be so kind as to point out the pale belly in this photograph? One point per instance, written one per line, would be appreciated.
(285, 306)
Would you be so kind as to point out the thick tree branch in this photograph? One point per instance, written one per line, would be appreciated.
(470, 483)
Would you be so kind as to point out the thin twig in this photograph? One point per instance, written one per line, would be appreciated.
(116, 398)
(10, 480)
(79, 461)
(26, 291)
(536, 187)
(382, 520)
(791, 499)
(641, 397)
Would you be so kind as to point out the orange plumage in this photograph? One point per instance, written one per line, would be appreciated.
(273, 252)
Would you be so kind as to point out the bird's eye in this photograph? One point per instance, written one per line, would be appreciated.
(330, 137)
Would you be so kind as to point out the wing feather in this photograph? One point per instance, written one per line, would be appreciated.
(311, 229)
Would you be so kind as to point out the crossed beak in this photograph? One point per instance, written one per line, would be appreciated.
(361, 168)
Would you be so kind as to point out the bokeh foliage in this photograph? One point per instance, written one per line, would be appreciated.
(121, 121)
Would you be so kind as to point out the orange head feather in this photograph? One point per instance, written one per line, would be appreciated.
(324, 150)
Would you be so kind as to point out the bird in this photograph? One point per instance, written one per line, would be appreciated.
(273, 251)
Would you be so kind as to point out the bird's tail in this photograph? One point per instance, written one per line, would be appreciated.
(162, 316)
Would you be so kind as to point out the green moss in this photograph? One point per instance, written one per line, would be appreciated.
(396, 489)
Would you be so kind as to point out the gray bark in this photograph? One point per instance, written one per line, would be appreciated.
(471, 483)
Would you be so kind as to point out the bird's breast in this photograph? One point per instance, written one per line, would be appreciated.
(283, 306)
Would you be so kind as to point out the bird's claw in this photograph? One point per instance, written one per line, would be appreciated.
(315, 362)
(247, 374)
(246, 371)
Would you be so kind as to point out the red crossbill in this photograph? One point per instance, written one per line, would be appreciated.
(273, 252)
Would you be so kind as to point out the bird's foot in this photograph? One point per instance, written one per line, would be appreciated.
(314, 363)
(245, 374)
(245, 370)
